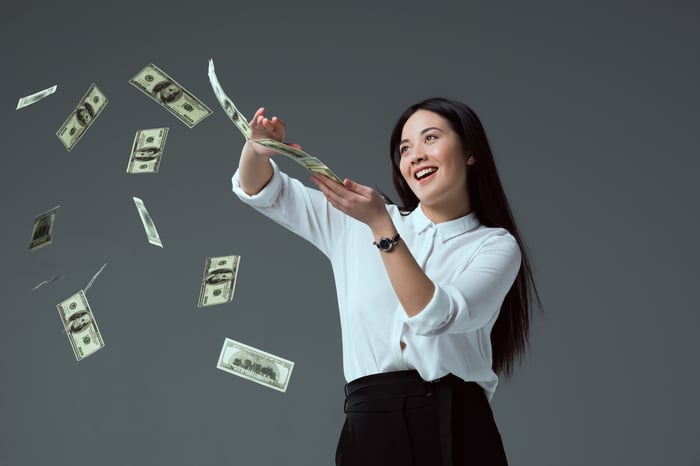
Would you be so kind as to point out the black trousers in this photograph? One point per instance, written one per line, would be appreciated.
(397, 418)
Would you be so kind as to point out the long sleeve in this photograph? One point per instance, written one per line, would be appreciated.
(300, 209)
(474, 296)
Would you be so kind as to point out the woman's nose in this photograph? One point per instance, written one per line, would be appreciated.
(418, 155)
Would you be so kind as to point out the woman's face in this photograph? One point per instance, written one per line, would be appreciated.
(434, 165)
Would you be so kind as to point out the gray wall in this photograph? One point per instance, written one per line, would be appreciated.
(592, 111)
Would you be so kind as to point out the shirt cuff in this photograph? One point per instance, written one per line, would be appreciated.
(434, 316)
(267, 195)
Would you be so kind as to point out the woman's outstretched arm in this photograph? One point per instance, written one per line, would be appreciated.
(254, 166)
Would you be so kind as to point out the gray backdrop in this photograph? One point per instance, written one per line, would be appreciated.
(592, 111)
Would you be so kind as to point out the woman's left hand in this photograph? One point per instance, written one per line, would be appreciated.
(358, 201)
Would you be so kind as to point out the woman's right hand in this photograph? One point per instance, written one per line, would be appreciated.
(267, 128)
(255, 169)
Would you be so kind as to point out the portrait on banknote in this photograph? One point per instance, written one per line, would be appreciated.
(167, 92)
(84, 114)
(230, 111)
(145, 154)
(78, 321)
(218, 276)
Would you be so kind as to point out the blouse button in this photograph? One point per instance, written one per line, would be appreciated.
(403, 345)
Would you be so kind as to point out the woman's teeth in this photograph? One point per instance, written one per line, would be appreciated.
(425, 172)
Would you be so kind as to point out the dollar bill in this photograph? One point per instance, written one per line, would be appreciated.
(36, 97)
(80, 325)
(304, 159)
(219, 280)
(46, 282)
(308, 161)
(78, 122)
(147, 150)
(42, 232)
(254, 364)
(163, 89)
(94, 277)
(236, 117)
(148, 224)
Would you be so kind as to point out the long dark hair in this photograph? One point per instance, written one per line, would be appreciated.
(509, 336)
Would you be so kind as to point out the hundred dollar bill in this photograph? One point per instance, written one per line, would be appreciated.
(306, 160)
(227, 104)
(42, 232)
(254, 364)
(163, 89)
(80, 325)
(148, 224)
(219, 280)
(36, 97)
(78, 122)
(46, 282)
(94, 277)
(147, 150)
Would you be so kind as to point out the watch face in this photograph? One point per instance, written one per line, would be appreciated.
(384, 243)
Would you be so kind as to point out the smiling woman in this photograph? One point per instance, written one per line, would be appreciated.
(430, 317)
(484, 196)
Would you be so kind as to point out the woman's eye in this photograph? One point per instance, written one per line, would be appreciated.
(403, 149)
(430, 137)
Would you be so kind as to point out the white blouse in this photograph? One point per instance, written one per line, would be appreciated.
(471, 266)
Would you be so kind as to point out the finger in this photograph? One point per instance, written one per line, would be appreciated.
(267, 124)
(357, 187)
(278, 126)
(329, 183)
(335, 199)
(352, 187)
(325, 183)
(277, 121)
(341, 197)
(258, 112)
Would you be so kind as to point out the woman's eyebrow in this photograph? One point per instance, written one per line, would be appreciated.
(423, 132)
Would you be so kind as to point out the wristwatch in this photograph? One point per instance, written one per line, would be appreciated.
(387, 244)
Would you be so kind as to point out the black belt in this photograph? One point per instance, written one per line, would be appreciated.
(394, 387)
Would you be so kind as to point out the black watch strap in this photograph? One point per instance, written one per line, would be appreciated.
(387, 244)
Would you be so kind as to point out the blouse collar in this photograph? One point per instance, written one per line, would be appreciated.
(445, 230)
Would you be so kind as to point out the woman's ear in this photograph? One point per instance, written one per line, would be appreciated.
(471, 160)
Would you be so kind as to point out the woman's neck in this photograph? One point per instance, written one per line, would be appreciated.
(438, 214)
